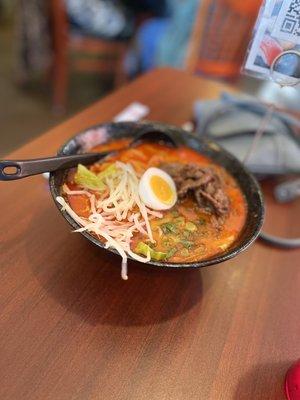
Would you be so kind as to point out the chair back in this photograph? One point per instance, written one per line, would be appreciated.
(59, 24)
(220, 37)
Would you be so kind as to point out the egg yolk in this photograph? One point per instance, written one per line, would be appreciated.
(161, 189)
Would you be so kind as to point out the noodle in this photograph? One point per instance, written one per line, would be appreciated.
(117, 216)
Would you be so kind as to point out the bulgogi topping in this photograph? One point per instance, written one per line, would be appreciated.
(203, 183)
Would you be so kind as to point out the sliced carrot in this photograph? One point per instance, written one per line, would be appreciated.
(80, 204)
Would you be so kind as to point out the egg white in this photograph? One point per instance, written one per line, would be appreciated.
(148, 196)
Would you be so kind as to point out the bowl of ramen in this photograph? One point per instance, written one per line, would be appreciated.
(190, 206)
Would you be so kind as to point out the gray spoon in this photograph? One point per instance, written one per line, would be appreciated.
(12, 169)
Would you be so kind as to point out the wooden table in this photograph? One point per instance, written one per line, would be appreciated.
(70, 328)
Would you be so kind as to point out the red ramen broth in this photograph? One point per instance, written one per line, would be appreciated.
(188, 233)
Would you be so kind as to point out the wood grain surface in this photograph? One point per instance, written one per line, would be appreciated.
(71, 329)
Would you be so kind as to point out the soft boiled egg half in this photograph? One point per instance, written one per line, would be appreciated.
(157, 189)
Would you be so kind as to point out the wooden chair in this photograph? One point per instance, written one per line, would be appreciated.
(220, 37)
(92, 54)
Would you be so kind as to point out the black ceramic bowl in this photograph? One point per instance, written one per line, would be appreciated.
(96, 135)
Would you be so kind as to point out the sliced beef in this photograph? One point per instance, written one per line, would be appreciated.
(203, 183)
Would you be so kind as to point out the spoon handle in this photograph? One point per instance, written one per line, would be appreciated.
(12, 169)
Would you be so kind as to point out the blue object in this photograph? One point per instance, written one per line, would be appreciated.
(172, 48)
(149, 36)
(163, 41)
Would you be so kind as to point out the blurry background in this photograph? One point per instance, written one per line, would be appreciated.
(57, 56)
